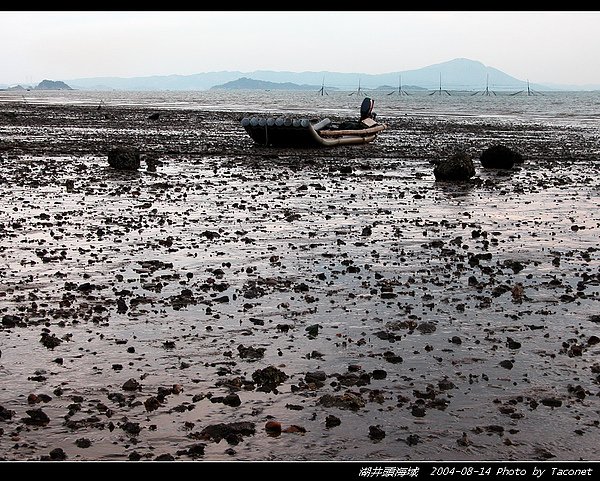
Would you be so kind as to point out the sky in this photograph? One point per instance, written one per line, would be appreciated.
(542, 46)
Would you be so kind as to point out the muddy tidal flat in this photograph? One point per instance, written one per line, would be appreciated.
(229, 301)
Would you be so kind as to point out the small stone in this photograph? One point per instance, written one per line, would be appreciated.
(131, 385)
(57, 454)
(232, 400)
(131, 428)
(83, 443)
(376, 433)
(294, 429)
(134, 456)
(151, 404)
(332, 421)
(506, 364)
(50, 341)
(37, 417)
(5, 414)
(551, 402)
(273, 427)
(418, 411)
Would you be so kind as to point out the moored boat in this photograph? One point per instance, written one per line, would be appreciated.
(302, 132)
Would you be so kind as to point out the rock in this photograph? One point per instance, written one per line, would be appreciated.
(232, 400)
(273, 427)
(232, 432)
(332, 421)
(10, 321)
(124, 158)
(506, 364)
(348, 400)
(57, 454)
(164, 457)
(376, 433)
(151, 404)
(294, 429)
(464, 440)
(37, 417)
(379, 374)
(426, 327)
(413, 439)
(551, 402)
(154, 116)
(418, 411)
(131, 428)
(578, 391)
(194, 451)
(269, 378)
(445, 385)
(251, 352)
(313, 330)
(316, 377)
(367, 231)
(456, 340)
(121, 306)
(459, 167)
(389, 356)
(543, 454)
(33, 399)
(5, 414)
(500, 157)
(83, 443)
(50, 341)
(131, 385)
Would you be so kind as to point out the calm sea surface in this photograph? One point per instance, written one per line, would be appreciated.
(562, 108)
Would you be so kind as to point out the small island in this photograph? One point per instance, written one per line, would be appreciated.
(52, 85)
(245, 83)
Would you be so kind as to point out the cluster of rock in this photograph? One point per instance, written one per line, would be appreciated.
(460, 166)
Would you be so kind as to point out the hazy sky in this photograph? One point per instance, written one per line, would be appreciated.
(544, 47)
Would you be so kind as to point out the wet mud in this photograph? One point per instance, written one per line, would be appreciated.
(231, 301)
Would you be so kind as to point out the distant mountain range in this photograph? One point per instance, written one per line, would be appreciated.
(457, 74)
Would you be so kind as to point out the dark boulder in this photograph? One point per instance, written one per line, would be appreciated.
(5, 414)
(500, 157)
(231, 432)
(269, 378)
(124, 158)
(459, 167)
